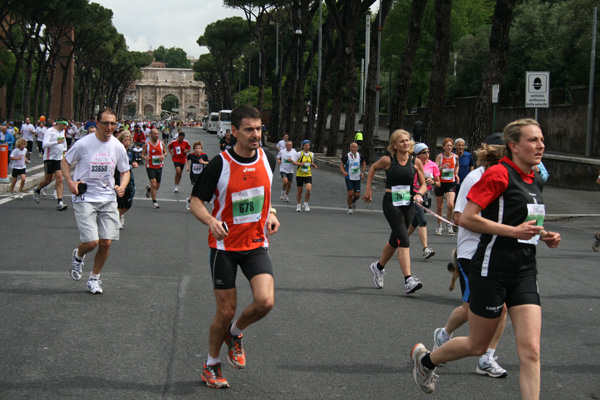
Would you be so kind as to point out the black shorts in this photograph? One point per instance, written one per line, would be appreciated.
(18, 172)
(488, 294)
(154, 173)
(223, 265)
(289, 176)
(178, 164)
(194, 178)
(29, 146)
(302, 180)
(127, 200)
(51, 166)
(444, 188)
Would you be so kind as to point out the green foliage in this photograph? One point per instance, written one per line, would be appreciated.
(553, 37)
(7, 63)
(175, 57)
(226, 38)
(469, 17)
(545, 36)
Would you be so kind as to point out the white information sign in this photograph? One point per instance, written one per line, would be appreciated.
(495, 92)
(537, 89)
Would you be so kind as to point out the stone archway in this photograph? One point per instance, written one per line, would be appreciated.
(158, 83)
(148, 111)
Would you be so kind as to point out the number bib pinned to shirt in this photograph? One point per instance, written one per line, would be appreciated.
(535, 212)
(247, 205)
(401, 195)
(448, 174)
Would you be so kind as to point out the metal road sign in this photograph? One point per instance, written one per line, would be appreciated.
(537, 89)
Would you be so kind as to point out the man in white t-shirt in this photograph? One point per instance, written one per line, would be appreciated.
(28, 133)
(54, 145)
(93, 194)
(286, 168)
(282, 142)
(39, 133)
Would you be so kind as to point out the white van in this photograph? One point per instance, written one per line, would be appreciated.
(224, 120)
(213, 123)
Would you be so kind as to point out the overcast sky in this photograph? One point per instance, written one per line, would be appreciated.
(148, 24)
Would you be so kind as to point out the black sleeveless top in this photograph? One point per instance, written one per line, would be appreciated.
(504, 256)
(401, 175)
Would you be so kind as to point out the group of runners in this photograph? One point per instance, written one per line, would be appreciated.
(500, 210)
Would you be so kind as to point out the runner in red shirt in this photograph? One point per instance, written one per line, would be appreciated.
(179, 150)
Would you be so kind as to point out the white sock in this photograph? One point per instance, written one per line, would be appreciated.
(94, 276)
(490, 353)
(212, 361)
(234, 330)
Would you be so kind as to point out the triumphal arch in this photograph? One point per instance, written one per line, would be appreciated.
(158, 83)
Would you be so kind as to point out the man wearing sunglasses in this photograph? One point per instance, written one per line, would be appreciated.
(94, 194)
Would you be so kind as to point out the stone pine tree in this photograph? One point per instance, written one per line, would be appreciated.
(405, 72)
(496, 62)
(371, 87)
(437, 85)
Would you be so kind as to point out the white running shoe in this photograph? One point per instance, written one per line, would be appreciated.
(176, 189)
(187, 204)
(438, 338)
(147, 191)
(11, 195)
(20, 195)
(438, 230)
(61, 206)
(350, 211)
(282, 197)
(36, 195)
(306, 207)
(54, 195)
(489, 366)
(412, 285)
(428, 253)
(377, 275)
(450, 229)
(43, 192)
(76, 267)
(354, 205)
(121, 221)
(93, 284)
(155, 205)
(424, 377)
(298, 207)
(287, 199)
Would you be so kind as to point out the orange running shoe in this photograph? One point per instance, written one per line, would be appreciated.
(236, 355)
(211, 374)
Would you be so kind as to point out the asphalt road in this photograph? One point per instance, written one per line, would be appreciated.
(332, 334)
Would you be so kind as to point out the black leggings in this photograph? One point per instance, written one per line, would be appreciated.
(399, 218)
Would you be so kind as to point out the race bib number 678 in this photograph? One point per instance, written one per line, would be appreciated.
(248, 205)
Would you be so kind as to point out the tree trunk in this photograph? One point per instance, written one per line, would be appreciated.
(437, 85)
(26, 106)
(371, 89)
(337, 89)
(409, 54)
(482, 125)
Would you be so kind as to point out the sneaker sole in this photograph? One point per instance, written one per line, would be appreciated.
(419, 286)
(415, 361)
(488, 373)
(430, 255)
(234, 364)
(213, 386)
(375, 278)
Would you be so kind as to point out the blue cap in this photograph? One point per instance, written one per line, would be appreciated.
(305, 141)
